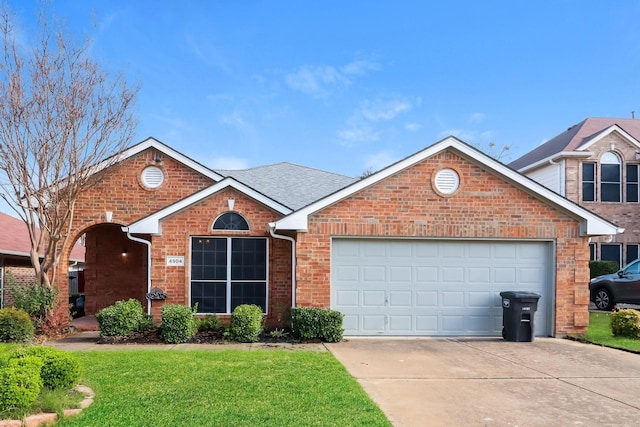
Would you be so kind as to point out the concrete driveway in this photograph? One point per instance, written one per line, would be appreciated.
(492, 382)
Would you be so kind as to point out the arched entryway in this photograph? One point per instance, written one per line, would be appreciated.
(115, 268)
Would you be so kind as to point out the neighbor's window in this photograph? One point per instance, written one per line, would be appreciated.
(227, 272)
(611, 252)
(230, 221)
(609, 177)
(588, 182)
(632, 253)
(632, 183)
(592, 251)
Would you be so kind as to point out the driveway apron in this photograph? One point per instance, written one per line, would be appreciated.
(492, 382)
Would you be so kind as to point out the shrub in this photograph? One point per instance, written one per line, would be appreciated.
(317, 323)
(626, 323)
(599, 268)
(60, 369)
(124, 318)
(246, 323)
(35, 299)
(179, 323)
(209, 323)
(15, 325)
(20, 384)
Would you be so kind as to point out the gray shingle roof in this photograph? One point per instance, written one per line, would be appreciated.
(574, 137)
(292, 185)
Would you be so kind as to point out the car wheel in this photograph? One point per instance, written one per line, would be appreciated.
(603, 299)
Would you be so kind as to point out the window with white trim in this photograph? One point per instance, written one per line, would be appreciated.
(610, 177)
(230, 221)
(592, 251)
(611, 252)
(588, 182)
(632, 253)
(227, 272)
(632, 183)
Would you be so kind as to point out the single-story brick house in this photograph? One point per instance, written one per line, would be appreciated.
(422, 247)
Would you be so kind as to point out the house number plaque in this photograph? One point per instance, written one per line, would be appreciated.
(175, 261)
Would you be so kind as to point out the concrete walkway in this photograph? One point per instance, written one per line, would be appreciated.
(492, 382)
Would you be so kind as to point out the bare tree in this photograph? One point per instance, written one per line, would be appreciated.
(60, 116)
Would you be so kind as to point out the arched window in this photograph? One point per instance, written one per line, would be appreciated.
(610, 177)
(230, 221)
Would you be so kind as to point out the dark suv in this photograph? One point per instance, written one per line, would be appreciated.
(620, 287)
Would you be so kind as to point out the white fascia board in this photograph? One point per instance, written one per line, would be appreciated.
(152, 224)
(610, 130)
(552, 159)
(593, 224)
(154, 143)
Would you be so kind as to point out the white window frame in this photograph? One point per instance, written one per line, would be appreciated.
(611, 158)
(229, 240)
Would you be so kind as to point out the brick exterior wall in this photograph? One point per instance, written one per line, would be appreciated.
(110, 277)
(485, 207)
(22, 275)
(622, 214)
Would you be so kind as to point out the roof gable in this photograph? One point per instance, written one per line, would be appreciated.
(592, 224)
(577, 139)
(161, 148)
(152, 224)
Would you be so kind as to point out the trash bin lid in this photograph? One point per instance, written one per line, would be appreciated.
(519, 295)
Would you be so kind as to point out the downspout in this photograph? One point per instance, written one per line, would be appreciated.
(148, 243)
(272, 227)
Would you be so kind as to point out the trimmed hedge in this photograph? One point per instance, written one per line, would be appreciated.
(124, 318)
(60, 369)
(179, 323)
(246, 323)
(599, 268)
(20, 384)
(311, 323)
(15, 325)
(626, 323)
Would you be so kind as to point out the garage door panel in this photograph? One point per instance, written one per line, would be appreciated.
(401, 299)
(346, 299)
(427, 287)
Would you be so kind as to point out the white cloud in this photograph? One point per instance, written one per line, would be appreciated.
(316, 81)
(477, 117)
(362, 133)
(413, 127)
(464, 135)
(379, 160)
(384, 109)
(234, 119)
(360, 67)
(232, 163)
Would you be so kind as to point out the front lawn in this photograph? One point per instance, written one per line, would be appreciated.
(222, 388)
(599, 332)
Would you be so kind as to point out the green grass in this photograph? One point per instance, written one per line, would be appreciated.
(599, 332)
(222, 388)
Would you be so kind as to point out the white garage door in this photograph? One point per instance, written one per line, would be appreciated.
(439, 288)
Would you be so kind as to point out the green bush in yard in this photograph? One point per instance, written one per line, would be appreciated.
(179, 323)
(15, 325)
(626, 323)
(311, 323)
(20, 384)
(246, 323)
(209, 322)
(60, 369)
(599, 268)
(124, 318)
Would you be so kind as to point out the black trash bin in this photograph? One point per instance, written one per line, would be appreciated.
(518, 312)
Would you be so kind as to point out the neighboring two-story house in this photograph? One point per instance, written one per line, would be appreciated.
(595, 163)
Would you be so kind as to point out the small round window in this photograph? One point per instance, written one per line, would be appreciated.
(447, 181)
(152, 177)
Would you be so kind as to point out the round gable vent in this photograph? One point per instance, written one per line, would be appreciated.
(152, 177)
(447, 181)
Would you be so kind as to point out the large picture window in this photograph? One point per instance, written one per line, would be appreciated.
(611, 252)
(609, 177)
(227, 272)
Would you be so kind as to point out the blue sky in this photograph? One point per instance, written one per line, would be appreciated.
(348, 86)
